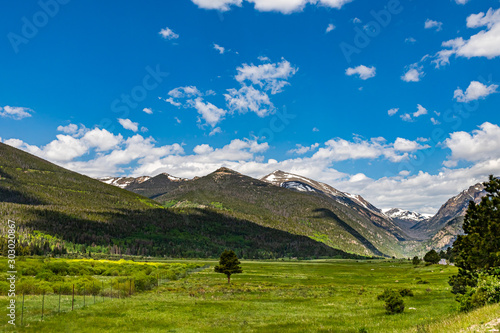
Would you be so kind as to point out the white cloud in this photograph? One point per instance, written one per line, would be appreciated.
(69, 129)
(290, 6)
(461, 2)
(405, 145)
(475, 91)
(263, 58)
(406, 117)
(435, 121)
(182, 92)
(222, 5)
(362, 71)
(167, 33)
(393, 111)
(315, 129)
(270, 76)
(356, 20)
(420, 111)
(482, 145)
(485, 43)
(209, 112)
(430, 24)
(247, 98)
(148, 110)
(219, 48)
(215, 131)
(410, 40)
(15, 112)
(177, 120)
(301, 150)
(129, 124)
(413, 74)
(329, 28)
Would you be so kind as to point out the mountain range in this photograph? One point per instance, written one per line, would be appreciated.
(416, 233)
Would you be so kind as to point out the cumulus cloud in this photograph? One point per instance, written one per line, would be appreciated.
(485, 43)
(209, 112)
(393, 111)
(167, 33)
(301, 150)
(15, 112)
(222, 5)
(410, 40)
(413, 74)
(329, 28)
(215, 131)
(269, 76)
(420, 111)
(148, 110)
(282, 6)
(219, 48)
(68, 129)
(362, 71)
(129, 124)
(461, 2)
(406, 117)
(482, 145)
(431, 24)
(246, 99)
(475, 91)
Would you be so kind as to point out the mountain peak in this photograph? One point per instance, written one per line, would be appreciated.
(224, 170)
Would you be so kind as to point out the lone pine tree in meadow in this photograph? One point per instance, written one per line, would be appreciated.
(228, 264)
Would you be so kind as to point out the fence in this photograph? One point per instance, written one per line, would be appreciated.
(30, 308)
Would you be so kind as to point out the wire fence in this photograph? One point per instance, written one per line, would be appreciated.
(31, 308)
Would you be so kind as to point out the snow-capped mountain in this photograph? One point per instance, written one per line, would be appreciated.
(303, 184)
(123, 182)
(401, 214)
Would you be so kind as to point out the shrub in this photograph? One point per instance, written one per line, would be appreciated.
(486, 292)
(404, 292)
(416, 261)
(394, 303)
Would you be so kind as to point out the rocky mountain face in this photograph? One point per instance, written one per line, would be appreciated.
(356, 202)
(150, 187)
(123, 182)
(406, 220)
(453, 208)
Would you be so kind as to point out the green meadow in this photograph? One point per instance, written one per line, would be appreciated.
(271, 296)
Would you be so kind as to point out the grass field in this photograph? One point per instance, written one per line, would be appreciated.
(310, 296)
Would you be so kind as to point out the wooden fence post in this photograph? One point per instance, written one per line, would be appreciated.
(43, 302)
(22, 311)
(73, 298)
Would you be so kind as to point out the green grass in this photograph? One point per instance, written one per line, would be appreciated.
(309, 296)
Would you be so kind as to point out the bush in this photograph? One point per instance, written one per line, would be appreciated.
(486, 292)
(416, 261)
(404, 292)
(394, 303)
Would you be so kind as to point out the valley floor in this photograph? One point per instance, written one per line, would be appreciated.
(309, 296)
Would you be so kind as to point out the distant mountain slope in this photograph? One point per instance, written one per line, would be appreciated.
(150, 187)
(55, 209)
(309, 212)
(453, 208)
(355, 202)
(406, 220)
(123, 182)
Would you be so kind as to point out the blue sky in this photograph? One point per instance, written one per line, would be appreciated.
(394, 100)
